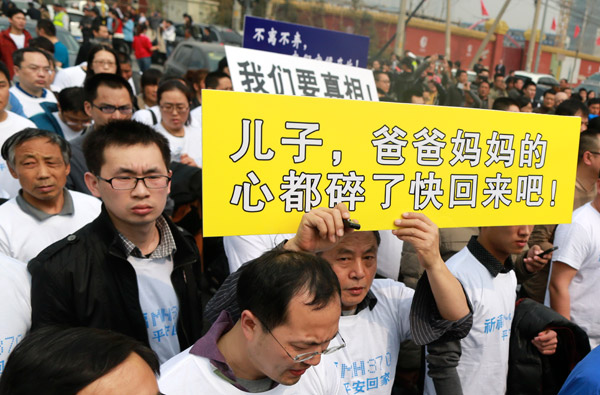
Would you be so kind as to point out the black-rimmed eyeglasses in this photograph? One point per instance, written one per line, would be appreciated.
(124, 183)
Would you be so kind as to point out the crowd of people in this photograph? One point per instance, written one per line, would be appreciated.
(109, 286)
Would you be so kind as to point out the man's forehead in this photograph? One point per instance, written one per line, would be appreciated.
(125, 157)
(35, 57)
(109, 94)
(352, 241)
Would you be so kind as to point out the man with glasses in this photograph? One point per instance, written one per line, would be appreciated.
(376, 313)
(32, 67)
(290, 308)
(69, 118)
(44, 211)
(131, 270)
(107, 97)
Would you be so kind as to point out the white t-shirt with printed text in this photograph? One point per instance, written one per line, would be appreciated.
(579, 244)
(159, 304)
(15, 309)
(188, 374)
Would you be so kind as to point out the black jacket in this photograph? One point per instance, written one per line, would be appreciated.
(86, 280)
(530, 372)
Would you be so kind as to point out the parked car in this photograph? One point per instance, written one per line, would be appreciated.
(191, 54)
(543, 81)
(590, 83)
(210, 33)
(74, 23)
(63, 36)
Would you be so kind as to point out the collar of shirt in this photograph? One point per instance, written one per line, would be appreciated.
(369, 301)
(206, 347)
(44, 92)
(166, 245)
(40, 215)
(487, 260)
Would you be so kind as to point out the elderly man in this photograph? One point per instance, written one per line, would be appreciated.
(44, 211)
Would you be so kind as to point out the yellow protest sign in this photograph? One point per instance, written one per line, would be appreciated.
(269, 158)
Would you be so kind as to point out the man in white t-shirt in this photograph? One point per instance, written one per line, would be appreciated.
(44, 211)
(290, 307)
(15, 285)
(32, 66)
(485, 270)
(379, 308)
(573, 287)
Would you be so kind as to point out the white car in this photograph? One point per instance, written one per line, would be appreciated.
(74, 20)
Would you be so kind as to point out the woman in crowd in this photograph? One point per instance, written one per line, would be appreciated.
(102, 59)
(185, 141)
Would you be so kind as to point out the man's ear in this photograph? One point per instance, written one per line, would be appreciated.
(250, 324)
(91, 181)
(87, 106)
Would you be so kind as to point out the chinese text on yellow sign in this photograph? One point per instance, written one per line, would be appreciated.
(268, 159)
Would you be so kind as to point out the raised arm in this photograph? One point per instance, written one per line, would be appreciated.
(422, 233)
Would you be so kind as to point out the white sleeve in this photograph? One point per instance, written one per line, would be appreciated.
(242, 249)
(573, 244)
(143, 116)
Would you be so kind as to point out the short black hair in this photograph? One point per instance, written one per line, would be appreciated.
(528, 83)
(121, 133)
(14, 11)
(484, 82)
(19, 54)
(595, 100)
(4, 70)
(503, 103)
(498, 75)
(222, 64)
(113, 81)
(549, 92)
(212, 79)
(57, 360)
(588, 141)
(47, 26)
(10, 145)
(151, 77)
(377, 73)
(123, 58)
(97, 23)
(460, 72)
(93, 51)
(71, 99)
(523, 101)
(267, 284)
(571, 107)
(413, 91)
(42, 43)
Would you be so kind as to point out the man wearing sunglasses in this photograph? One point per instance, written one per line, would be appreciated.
(130, 270)
(290, 309)
(107, 97)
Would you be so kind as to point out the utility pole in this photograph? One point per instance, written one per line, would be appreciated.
(236, 19)
(536, 15)
(539, 48)
(588, 5)
(400, 30)
(487, 38)
(447, 30)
